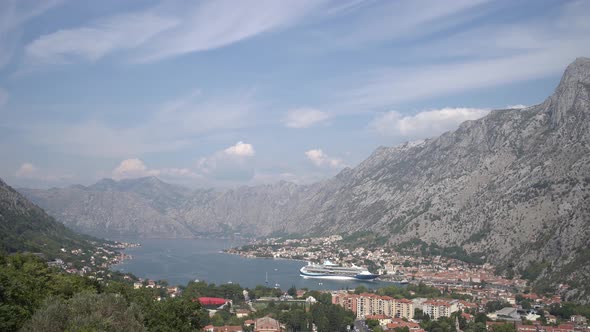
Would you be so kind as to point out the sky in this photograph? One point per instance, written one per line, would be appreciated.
(227, 93)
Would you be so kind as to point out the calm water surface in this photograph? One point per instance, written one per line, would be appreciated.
(180, 261)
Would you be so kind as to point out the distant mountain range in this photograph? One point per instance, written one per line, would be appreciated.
(513, 187)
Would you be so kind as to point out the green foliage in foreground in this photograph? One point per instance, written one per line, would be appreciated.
(86, 312)
(26, 281)
(42, 299)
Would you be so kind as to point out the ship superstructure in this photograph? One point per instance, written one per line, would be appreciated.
(329, 270)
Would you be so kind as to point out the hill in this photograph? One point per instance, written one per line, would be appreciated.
(24, 227)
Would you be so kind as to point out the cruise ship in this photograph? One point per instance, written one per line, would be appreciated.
(329, 270)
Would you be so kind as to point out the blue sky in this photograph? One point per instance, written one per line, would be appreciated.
(225, 93)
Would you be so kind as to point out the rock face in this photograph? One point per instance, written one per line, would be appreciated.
(136, 207)
(514, 185)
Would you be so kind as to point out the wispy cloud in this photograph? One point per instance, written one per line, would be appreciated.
(495, 55)
(393, 21)
(424, 124)
(176, 125)
(168, 30)
(13, 15)
(304, 117)
(97, 39)
(214, 24)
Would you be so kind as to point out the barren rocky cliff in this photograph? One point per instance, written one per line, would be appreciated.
(513, 186)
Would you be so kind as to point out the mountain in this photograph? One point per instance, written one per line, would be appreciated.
(512, 188)
(137, 207)
(26, 227)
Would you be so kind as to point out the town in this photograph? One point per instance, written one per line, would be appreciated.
(93, 262)
(472, 296)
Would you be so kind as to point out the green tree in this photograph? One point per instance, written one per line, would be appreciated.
(360, 289)
(331, 317)
(372, 323)
(86, 312)
(176, 314)
(292, 291)
(504, 328)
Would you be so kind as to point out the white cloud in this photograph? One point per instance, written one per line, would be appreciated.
(26, 170)
(232, 163)
(31, 172)
(304, 117)
(424, 124)
(240, 149)
(134, 168)
(516, 107)
(320, 159)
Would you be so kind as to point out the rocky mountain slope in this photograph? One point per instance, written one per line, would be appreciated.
(136, 207)
(513, 187)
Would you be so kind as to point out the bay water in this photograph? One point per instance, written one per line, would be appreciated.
(181, 260)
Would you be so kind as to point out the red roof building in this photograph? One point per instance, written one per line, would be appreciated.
(211, 300)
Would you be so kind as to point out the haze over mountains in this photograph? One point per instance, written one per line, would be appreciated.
(513, 186)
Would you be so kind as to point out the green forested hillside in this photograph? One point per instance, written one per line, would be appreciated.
(24, 227)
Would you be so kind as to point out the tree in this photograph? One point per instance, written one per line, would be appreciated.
(331, 317)
(292, 291)
(481, 318)
(176, 314)
(25, 281)
(372, 323)
(504, 328)
(360, 289)
(86, 312)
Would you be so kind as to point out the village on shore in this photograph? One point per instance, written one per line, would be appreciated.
(467, 288)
